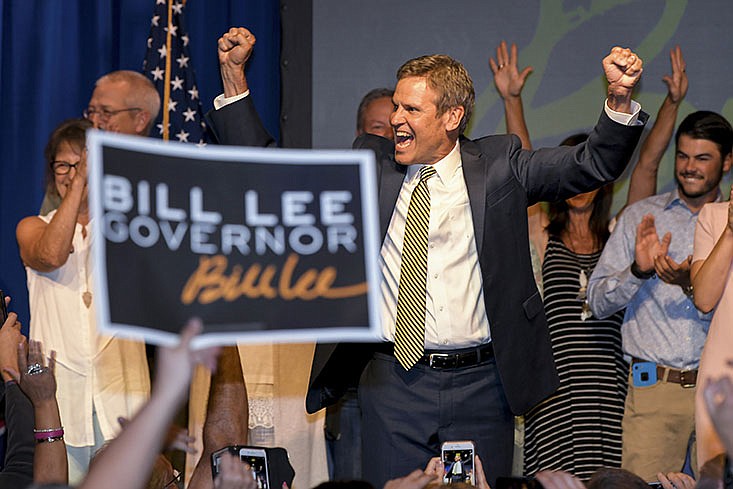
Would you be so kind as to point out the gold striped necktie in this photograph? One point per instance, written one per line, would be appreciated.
(410, 326)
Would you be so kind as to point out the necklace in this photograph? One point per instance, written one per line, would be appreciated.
(86, 296)
(585, 311)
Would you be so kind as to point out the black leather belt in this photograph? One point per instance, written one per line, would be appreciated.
(447, 359)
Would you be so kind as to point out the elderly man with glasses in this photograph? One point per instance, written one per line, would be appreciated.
(123, 101)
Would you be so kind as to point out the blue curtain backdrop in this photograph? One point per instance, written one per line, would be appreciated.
(51, 54)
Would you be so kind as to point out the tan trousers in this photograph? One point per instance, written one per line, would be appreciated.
(657, 424)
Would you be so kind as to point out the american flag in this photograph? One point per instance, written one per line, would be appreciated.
(168, 64)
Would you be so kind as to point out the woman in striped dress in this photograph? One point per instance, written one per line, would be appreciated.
(578, 429)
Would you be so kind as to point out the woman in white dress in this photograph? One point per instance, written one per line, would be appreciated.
(99, 378)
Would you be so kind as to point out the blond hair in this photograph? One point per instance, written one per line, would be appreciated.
(449, 78)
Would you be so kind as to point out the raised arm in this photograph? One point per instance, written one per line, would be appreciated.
(509, 82)
(46, 246)
(623, 70)
(235, 48)
(643, 181)
(227, 415)
(138, 444)
(235, 120)
(50, 465)
(708, 275)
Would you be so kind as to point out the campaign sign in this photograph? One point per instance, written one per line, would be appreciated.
(262, 244)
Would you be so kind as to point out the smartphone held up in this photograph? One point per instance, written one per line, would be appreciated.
(458, 462)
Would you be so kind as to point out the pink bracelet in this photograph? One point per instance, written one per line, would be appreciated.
(44, 434)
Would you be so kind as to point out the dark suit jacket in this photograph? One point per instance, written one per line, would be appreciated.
(502, 180)
(238, 124)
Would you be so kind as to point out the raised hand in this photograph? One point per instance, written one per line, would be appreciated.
(175, 364)
(623, 70)
(10, 337)
(36, 379)
(81, 173)
(677, 81)
(234, 48)
(648, 246)
(508, 79)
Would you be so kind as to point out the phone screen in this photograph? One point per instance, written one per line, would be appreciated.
(458, 465)
(258, 462)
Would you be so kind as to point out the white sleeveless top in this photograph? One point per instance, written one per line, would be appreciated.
(103, 373)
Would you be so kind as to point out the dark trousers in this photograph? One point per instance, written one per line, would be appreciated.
(406, 416)
(343, 438)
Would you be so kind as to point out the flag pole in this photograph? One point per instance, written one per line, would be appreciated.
(167, 83)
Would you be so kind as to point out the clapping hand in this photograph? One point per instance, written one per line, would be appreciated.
(648, 245)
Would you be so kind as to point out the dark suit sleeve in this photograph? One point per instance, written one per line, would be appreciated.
(552, 174)
(18, 470)
(238, 124)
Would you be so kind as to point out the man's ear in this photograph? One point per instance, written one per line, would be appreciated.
(142, 119)
(727, 162)
(453, 118)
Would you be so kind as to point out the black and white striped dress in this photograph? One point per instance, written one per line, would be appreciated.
(578, 429)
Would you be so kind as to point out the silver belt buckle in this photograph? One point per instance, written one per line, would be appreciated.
(434, 356)
(687, 384)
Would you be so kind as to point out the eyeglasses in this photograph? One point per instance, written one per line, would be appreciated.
(63, 167)
(104, 114)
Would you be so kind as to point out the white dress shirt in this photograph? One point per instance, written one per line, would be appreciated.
(455, 309)
(456, 314)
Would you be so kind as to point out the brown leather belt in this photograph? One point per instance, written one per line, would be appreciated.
(448, 359)
(686, 378)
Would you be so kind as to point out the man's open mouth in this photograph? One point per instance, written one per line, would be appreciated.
(402, 139)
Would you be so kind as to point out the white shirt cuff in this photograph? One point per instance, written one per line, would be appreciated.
(222, 101)
(620, 117)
